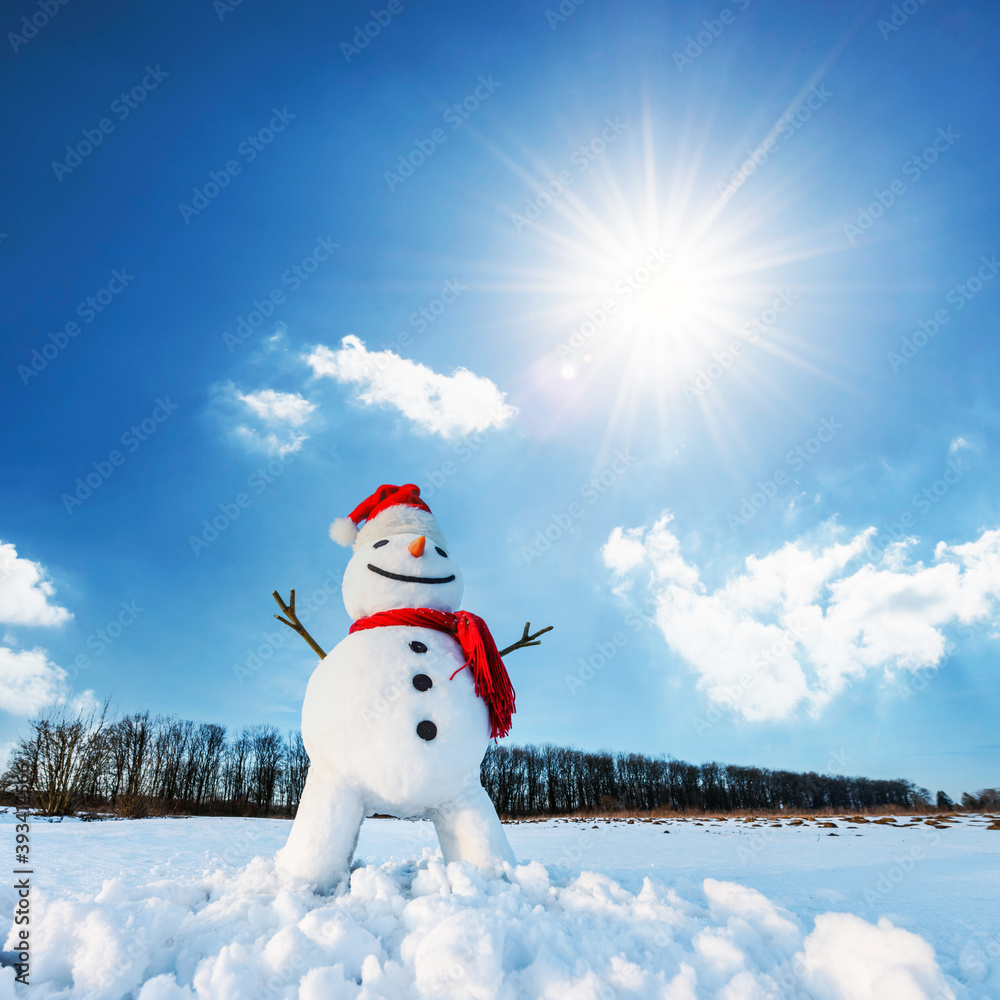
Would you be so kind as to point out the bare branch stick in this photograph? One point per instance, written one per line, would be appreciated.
(526, 640)
(292, 621)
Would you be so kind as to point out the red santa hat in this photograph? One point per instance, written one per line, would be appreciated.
(390, 510)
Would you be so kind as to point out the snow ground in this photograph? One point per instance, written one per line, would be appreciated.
(172, 909)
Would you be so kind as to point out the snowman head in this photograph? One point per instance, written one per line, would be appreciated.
(401, 571)
(401, 559)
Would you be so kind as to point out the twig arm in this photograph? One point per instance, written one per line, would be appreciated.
(527, 640)
(292, 621)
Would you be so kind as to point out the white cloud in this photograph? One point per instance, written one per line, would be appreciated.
(278, 407)
(25, 592)
(278, 340)
(274, 413)
(29, 681)
(84, 704)
(271, 443)
(448, 405)
(799, 624)
(624, 550)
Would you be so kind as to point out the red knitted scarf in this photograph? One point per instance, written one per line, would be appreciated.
(481, 654)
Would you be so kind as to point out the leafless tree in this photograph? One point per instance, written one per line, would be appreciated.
(61, 760)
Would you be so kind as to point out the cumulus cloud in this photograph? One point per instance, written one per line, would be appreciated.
(448, 405)
(29, 681)
(273, 415)
(796, 626)
(278, 407)
(25, 592)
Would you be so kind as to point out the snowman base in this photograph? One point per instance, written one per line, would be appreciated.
(325, 832)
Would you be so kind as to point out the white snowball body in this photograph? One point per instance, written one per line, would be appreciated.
(389, 725)
(363, 706)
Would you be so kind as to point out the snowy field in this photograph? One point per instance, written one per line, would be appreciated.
(172, 909)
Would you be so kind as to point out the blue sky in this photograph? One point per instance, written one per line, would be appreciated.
(673, 266)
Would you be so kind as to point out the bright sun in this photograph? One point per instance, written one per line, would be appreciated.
(646, 289)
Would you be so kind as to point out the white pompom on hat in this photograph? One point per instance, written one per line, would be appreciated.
(390, 510)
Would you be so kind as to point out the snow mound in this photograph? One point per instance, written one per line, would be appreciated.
(427, 930)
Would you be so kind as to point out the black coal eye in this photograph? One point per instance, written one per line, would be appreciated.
(440, 551)
(417, 646)
(378, 545)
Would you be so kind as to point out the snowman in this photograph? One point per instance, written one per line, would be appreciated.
(397, 717)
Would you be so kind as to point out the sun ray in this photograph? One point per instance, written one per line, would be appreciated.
(637, 280)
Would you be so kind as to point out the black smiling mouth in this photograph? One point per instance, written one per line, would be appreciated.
(411, 579)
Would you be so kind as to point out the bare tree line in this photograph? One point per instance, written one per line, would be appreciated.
(548, 780)
(140, 765)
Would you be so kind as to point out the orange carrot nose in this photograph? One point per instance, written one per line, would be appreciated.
(416, 547)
